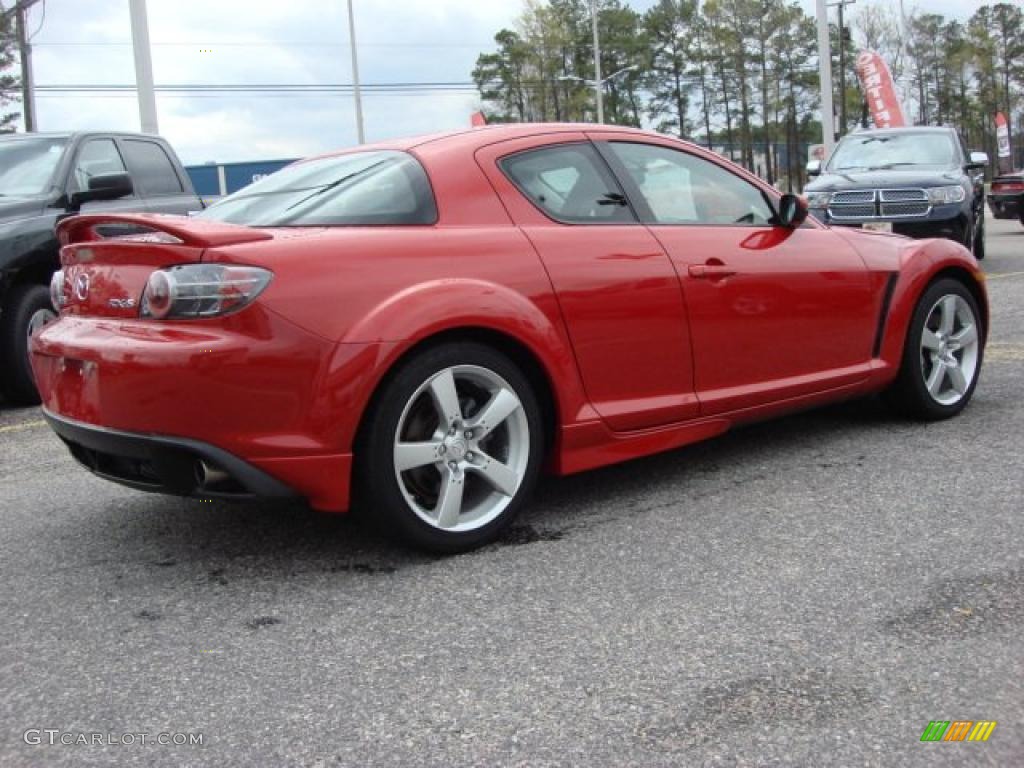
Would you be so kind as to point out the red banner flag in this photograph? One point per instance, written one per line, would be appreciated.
(876, 82)
(1004, 163)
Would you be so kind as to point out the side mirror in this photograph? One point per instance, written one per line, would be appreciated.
(792, 211)
(978, 161)
(109, 186)
(814, 168)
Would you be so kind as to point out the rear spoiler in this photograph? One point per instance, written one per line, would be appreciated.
(197, 233)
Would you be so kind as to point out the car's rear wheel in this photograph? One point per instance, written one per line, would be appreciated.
(451, 449)
(28, 308)
(942, 355)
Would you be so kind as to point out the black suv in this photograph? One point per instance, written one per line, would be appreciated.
(45, 177)
(920, 182)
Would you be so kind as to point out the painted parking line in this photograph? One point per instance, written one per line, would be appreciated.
(23, 426)
(1001, 275)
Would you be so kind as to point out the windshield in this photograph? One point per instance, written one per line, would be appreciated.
(894, 150)
(27, 165)
(359, 189)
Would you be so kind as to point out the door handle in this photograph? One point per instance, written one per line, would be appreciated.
(710, 271)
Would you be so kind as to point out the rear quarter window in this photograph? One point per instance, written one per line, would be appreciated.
(375, 188)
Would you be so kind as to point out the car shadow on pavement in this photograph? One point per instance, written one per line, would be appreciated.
(282, 540)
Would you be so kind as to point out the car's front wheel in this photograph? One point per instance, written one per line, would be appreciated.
(451, 448)
(942, 355)
(978, 248)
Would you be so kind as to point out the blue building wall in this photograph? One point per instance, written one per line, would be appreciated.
(213, 180)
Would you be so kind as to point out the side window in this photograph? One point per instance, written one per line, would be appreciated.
(569, 183)
(97, 157)
(680, 188)
(152, 171)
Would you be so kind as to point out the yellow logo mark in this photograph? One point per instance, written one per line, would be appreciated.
(982, 730)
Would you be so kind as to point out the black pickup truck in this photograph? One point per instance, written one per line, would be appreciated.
(45, 177)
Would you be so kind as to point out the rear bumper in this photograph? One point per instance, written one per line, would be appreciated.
(1006, 206)
(148, 404)
(164, 464)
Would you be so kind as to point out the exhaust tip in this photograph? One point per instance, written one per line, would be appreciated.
(210, 477)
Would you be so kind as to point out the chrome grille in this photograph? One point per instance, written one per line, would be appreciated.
(860, 204)
(904, 209)
(862, 211)
(902, 195)
(854, 196)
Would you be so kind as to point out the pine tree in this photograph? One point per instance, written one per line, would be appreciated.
(9, 82)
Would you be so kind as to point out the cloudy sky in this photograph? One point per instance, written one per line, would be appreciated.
(247, 42)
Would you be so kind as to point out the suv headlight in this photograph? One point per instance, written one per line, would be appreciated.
(942, 195)
(818, 199)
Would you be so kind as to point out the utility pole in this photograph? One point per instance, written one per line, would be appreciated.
(143, 66)
(355, 74)
(842, 64)
(598, 84)
(28, 91)
(825, 78)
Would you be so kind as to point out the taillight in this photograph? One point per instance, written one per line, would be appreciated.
(201, 290)
(57, 296)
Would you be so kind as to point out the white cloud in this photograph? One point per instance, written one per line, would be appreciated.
(242, 42)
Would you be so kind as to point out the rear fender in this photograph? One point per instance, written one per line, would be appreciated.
(412, 316)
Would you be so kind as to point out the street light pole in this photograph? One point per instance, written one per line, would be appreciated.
(842, 65)
(28, 91)
(598, 83)
(825, 78)
(143, 66)
(355, 75)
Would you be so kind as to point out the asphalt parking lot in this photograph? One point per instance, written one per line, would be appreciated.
(806, 592)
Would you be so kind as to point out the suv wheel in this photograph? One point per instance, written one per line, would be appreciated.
(978, 246)
(27, 309)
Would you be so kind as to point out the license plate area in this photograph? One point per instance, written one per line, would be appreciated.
(877, 226)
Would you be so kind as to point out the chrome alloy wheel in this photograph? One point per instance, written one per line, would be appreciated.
(462, 448)
(949, 349)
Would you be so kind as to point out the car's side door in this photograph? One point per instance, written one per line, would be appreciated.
(156, 178)
(775, 313)
(100, 156)
(616, 287)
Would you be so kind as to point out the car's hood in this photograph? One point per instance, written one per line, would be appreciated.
(15, 208)
(883, 179)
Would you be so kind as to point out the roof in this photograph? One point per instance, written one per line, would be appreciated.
(482, 135)
(906, 129)
(78, 134)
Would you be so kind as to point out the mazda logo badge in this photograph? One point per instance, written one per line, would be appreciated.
(82, 287)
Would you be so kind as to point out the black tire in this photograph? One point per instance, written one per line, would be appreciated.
(909, 394)
(978, 246)
(21, 304)
(378, 495)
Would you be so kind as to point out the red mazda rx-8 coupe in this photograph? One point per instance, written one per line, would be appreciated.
(425, 325)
